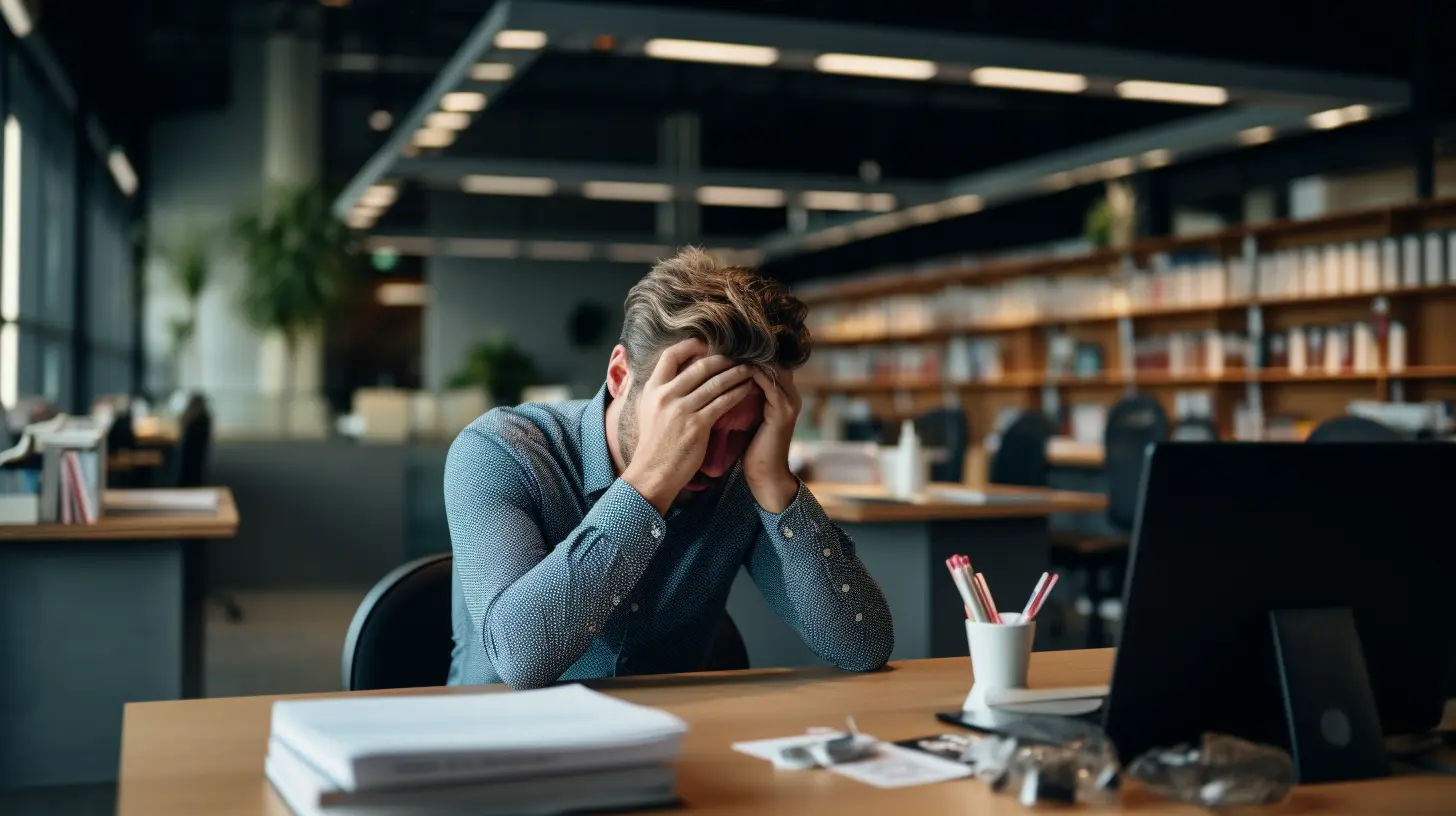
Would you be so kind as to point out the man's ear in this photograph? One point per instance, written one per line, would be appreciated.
(619, 375)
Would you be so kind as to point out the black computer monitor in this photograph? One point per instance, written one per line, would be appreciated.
(1228, 533)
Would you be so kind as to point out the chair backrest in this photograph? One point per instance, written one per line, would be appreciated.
(1194, 430)
(193, 445)
(401, 634)
(1021, 458)
(1353, 429)
(945, 428)
(120, 435)
(1133, 424)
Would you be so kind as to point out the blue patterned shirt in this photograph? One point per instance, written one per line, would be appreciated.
(564, 572)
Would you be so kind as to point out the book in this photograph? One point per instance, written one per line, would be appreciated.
(376, 743)
(307, 792)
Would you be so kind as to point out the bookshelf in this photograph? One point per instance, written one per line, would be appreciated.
(1369, 299)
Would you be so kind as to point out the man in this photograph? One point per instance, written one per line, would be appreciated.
(601, 537)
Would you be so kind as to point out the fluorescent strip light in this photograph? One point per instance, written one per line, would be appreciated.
(482, 247)
(1325, 120)
(847, 201)
(702, 51)
(627, 191)
(1024, 79)
(17, 16)
(120, 168)
(9, 365)
(560, 250)
(10, 224)
(923, 213)
(360, 220)
(508, 185)
(518, 40)
(379, 195)
(962, 205)
(492, 71)
(1058, 181)
(740, 197)
(1162, 157)
(433, 137)
(1179, 92)
(462, 101)
(401, 293)
(884, 67)
(1256, 135)
(447, 120)
(1110, 169)
(637, 253)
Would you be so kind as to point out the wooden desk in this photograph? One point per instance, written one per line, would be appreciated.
(135, 459)
(905, 546)
(93, 617)
(206, 756)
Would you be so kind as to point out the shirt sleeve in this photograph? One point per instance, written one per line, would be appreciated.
(537, 604)
(807, 570)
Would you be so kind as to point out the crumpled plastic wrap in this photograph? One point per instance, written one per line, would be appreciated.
(1222, 771)
(1081, 769)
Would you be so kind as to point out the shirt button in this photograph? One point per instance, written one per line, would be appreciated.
(844, 588)
(787, 531)
(656, 531)
(828, 552)
(616, 600)
(858, 616)
(634, 607)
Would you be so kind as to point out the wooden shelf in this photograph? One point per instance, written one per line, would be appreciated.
(1147, 379)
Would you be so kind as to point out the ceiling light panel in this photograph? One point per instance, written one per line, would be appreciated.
(492, 71)
(518, 40)
(847, 201)
(508, 185)
(433, 137)
(1176, 92)
(883, 67)
(463, 102)
(447, 120)
(1256, 135)
(627, 191)
(740, 197)
(992, 76)
(703, 51)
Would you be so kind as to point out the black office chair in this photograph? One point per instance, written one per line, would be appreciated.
(1353, 429)
(1195, 429)
(862, 430)
(1021, 458)
(945, 429)
(1133, 424)
(401, 635)
(120, 437)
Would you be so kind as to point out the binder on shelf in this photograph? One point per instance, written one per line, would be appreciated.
(1434, 263)
(1389, 264)
(1410, 261)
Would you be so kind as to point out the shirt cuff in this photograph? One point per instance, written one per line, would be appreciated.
(627, 519)
(803, 519)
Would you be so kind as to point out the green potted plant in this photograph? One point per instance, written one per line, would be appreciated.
(301, 263)
(188, 265)
(498, 366)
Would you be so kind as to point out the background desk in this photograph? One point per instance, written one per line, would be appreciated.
(206, 756)
(905, 548)
(93, 617)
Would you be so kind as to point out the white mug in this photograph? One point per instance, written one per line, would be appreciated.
(1000, 655)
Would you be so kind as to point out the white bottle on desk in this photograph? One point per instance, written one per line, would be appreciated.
(908, 475)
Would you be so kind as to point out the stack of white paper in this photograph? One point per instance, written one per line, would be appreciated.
(547, 751)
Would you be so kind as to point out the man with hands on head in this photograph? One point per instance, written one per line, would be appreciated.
(601, 537)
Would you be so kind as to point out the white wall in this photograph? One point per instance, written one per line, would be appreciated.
(471, 300)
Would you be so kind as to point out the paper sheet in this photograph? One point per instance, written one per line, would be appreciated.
(893, 767)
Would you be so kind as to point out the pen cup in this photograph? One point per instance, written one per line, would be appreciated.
(1000, 654)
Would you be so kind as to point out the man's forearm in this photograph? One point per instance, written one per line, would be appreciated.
(542, 623)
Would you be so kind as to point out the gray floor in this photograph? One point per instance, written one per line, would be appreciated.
(287, 642)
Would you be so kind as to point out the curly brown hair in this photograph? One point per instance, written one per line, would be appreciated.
(733, 309)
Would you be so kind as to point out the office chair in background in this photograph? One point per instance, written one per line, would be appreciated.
(1133, 424)
(401, 635)
(1195, 429)
(945, 429)
(863, 430)
(1021, 457)
(1353, 429)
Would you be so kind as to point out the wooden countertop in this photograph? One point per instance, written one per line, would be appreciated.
(936, 504)
(206, 756)
(122, 524)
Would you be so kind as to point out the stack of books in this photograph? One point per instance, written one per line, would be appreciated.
(54, 474)
(557, 750)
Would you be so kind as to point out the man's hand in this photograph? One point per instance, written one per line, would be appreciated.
(675, 413)
(766, 463)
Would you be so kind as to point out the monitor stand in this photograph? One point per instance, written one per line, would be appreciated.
(1329, 708)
